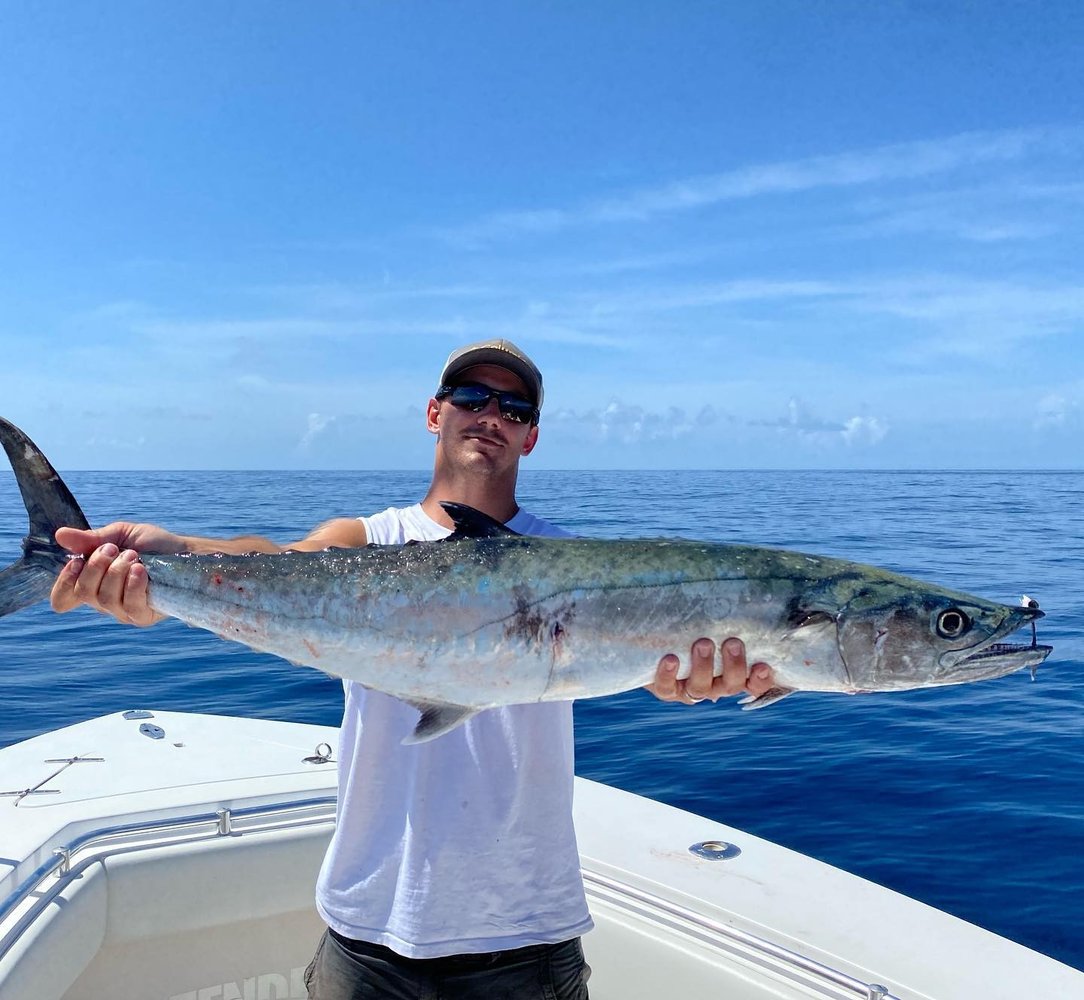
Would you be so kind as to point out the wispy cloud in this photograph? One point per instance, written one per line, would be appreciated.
(1054, 410)
(895, 162)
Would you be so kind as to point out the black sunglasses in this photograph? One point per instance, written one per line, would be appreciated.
(475, 397)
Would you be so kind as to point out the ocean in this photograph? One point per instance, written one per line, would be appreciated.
(969, 798)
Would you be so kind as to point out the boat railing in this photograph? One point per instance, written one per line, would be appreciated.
(35, 893)
(749, 948)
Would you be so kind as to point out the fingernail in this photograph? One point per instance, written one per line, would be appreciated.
(733, 647)
(670, 664)
(703, 647)
(75, 566)
(129, 555)
(762, 673)
(109, 550)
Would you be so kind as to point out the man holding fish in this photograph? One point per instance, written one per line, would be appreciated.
(453, 870)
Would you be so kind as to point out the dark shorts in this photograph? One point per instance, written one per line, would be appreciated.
(356, 970)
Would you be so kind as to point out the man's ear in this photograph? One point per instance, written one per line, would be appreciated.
(531, 440)
(432, 417)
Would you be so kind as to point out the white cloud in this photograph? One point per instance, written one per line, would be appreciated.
(1053, 410)
(895, 162)
(627, 424)
(800, 422)
(317, 424)
(864, 431)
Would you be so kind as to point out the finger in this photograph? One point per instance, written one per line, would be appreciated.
(699, 683)
(90, 579)
(78, 540)
(62, 597)
(135, 597)
(735, 671)
(111, 590)
(761, 679)
(665, 685)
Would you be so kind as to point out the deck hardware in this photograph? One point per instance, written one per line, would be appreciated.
(73, 760)
(877, 992)
(715, 850)
(151, 730)
(65, 856)
(322, 755)
(225, 822)
(38, 790)
(138, 713)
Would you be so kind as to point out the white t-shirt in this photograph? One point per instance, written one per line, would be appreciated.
(463, 844)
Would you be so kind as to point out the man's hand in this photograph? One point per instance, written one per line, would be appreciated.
(737, 676)
(110, 577)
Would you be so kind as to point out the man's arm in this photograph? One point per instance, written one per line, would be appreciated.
(111, 579)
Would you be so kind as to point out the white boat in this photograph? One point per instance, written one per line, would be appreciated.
(170, 856)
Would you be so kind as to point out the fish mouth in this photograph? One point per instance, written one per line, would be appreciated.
(995, 658)
(1012, 655)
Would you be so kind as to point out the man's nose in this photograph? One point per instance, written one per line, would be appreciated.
(491, 410)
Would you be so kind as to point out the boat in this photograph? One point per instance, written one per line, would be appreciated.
(168, 855)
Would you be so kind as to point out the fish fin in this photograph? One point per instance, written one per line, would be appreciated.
(437, 719)
(471, 523)
(49, 505)
(770, 697)
(22, 584)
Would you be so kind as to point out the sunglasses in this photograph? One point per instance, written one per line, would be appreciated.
(475, 397)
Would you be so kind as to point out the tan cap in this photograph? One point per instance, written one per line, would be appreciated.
(503, 354)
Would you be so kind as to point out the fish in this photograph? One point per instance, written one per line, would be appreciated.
(488, 617)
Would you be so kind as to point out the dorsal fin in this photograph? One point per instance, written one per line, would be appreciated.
(472, 523)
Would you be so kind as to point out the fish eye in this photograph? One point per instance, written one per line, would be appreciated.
(952, 624)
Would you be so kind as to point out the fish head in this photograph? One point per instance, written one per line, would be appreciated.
(894, 636)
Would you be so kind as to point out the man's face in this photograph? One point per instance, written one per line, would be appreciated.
(484, 440)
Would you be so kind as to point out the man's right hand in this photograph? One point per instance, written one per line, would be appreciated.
(110, 577)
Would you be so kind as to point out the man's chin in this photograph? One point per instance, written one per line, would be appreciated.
(484, 459)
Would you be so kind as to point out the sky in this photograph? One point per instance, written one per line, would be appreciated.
(767, 234)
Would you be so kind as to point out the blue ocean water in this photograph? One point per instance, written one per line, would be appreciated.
(970, 798)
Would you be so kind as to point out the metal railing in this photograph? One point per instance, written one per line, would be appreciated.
(35, 893)
(756, 951)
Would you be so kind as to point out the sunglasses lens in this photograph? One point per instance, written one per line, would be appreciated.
(513, 408)
(476, 398)
(471, 397)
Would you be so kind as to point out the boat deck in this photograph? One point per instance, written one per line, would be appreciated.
(174, 857)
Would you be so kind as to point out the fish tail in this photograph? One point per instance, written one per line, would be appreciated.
(49, 505)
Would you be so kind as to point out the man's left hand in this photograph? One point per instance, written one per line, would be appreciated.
(737, 677)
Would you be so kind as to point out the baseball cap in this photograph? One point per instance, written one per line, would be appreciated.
(503, 354)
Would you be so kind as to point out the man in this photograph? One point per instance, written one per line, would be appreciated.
(453, 870)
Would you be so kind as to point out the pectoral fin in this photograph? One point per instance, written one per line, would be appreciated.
(437, 719)
(770, 697)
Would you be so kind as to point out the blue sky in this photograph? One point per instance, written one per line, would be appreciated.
(744, 235)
